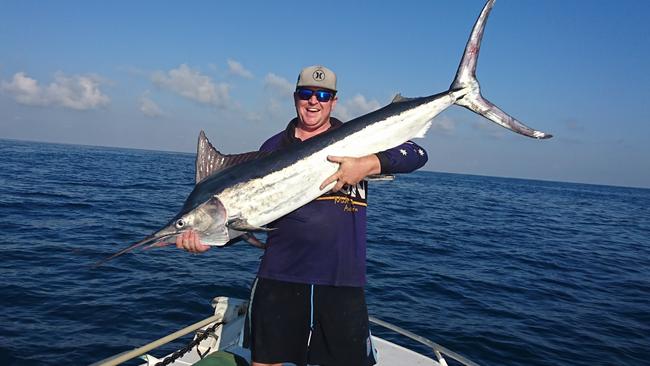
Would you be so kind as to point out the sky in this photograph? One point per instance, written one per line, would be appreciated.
(152, 74)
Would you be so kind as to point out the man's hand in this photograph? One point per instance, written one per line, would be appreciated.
(351, 170)
(190, 242)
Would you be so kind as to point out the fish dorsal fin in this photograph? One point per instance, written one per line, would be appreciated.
(399, 98)
(209, 160)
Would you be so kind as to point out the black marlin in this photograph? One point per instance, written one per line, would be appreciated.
(239, 194)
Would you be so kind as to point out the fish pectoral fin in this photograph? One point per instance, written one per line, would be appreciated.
(243, 225)
(252, 240)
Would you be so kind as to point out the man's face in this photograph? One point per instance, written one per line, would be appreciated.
(312, 113)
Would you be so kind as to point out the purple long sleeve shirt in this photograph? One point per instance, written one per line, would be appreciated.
(324, 241)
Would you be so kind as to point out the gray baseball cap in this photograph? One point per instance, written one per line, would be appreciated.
(317, 76)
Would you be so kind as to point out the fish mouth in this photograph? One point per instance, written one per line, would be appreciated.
(152, 240)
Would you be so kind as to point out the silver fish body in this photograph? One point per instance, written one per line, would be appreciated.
(238, 194)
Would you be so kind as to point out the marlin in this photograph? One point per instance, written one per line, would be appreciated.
(236, 195)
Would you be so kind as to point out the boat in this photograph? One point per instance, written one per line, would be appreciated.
(219, 340)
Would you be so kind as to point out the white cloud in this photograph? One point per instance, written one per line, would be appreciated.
(25, 90)
(280, 103)
(78, 92)
(253, 116)
(279, 84)
(277, 108)
(355, 107)
(193, 85)
(238, 69)
(149, 107)
(574, 125)
(443, 124)
(490, 129)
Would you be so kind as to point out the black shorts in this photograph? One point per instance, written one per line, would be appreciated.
(301, 323)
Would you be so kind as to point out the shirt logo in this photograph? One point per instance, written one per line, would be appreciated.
(349, 197)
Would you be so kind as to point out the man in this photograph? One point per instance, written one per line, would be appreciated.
(308, 303)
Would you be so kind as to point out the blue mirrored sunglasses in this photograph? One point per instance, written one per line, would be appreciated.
(321, 95)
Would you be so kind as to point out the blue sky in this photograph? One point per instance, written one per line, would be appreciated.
(152, 74)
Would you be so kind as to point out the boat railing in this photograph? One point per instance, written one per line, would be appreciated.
(438, 350)
(129, 355)
(226, 310)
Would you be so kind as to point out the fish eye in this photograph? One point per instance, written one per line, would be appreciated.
(180, 224)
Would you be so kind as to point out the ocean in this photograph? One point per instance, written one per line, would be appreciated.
(503, 271)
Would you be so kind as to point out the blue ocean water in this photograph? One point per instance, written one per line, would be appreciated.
(503, 271)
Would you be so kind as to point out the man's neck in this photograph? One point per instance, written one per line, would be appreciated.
(305, 134)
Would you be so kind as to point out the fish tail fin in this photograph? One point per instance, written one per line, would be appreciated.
(468, 90)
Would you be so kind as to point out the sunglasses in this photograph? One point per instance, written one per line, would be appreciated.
(321, 95)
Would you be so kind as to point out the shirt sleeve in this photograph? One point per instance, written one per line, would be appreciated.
(404, 158)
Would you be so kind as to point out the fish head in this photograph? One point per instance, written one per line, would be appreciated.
(208, 219)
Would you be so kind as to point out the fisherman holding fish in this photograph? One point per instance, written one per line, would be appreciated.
(308, 302)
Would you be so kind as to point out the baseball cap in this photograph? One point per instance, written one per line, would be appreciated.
(317, 76)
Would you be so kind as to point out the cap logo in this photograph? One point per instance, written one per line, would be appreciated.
(318, 75)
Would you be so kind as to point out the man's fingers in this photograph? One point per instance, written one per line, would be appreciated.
(197, 245)
(190, 242)
(335, 159)
(194, 242)
(338, 186)
(336, 177)
(332, 178)
(187, 244)
(181, 241)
